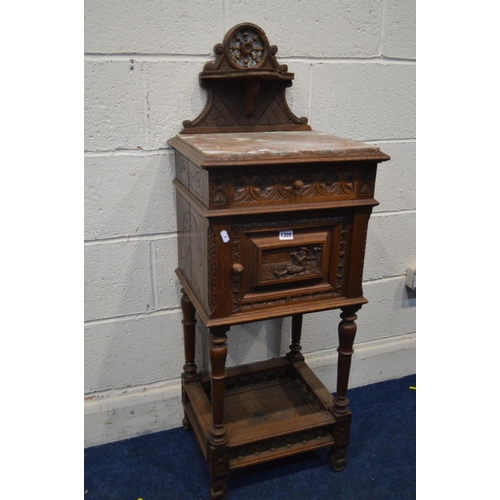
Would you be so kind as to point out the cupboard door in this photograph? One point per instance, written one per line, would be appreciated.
(279, 262)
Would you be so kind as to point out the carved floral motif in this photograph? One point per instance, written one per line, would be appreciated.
(367, 182)
(336, 183)
(246, 48)
(263, 187)
(220, 191)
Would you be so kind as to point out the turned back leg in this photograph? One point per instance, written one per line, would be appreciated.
(295, 347)
(190, 373)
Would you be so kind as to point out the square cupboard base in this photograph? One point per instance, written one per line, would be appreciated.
(272, 409)
(254, 413)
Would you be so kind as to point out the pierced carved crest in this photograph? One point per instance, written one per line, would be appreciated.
(246, 87)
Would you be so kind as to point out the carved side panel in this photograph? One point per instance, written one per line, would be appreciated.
(199, 256)
(184, 236)
(193, 177)
(181, 169)
(195, 251)
(198, 182)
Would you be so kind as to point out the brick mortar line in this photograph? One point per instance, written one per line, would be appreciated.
(348, 60)
(174, 310)
(126, 317)
(142, 57)
(173, 234)
(390, 141)
(395, 212)
(169, 150)
(131, 238)
(384, 279)
(128, 152)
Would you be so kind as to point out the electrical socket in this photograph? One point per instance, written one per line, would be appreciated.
(411, 278)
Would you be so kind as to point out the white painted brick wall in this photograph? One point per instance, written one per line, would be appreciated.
(133, 351)
(319, 29)
(170, 99)
(354, 65)
(389, 313)
(383, 260)
(129, 195)
(152, 26)
(399, 30)
(113, 106)
(395, 187)
(118, 279)
(364, 101)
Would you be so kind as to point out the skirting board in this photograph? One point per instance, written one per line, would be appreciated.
(117, 415)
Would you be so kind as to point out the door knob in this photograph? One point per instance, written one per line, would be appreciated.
(238, 268)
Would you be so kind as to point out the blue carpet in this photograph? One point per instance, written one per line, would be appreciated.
(169, 465)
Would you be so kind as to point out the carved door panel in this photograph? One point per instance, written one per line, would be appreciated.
(296, 256)
(280, 262)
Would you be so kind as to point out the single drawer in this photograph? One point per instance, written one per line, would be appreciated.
(257, 188)
(298, 184)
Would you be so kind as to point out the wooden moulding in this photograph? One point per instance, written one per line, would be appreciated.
(259, 398)
(274, 312)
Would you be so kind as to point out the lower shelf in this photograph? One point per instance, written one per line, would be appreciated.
(272, 409)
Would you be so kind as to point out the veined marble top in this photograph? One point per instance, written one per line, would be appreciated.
(257, 146)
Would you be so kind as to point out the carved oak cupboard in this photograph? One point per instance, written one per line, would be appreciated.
(272, 221)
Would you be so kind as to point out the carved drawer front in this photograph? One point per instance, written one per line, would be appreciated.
(303, 184)
(249, 189)
(288, 261)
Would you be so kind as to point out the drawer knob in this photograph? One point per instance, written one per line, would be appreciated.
(238, 268)
(298, 185)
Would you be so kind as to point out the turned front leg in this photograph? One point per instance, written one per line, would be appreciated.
(190, 369)
(347, 333)
(218, 449)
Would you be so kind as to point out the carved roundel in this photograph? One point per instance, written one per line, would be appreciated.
(246, 47)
